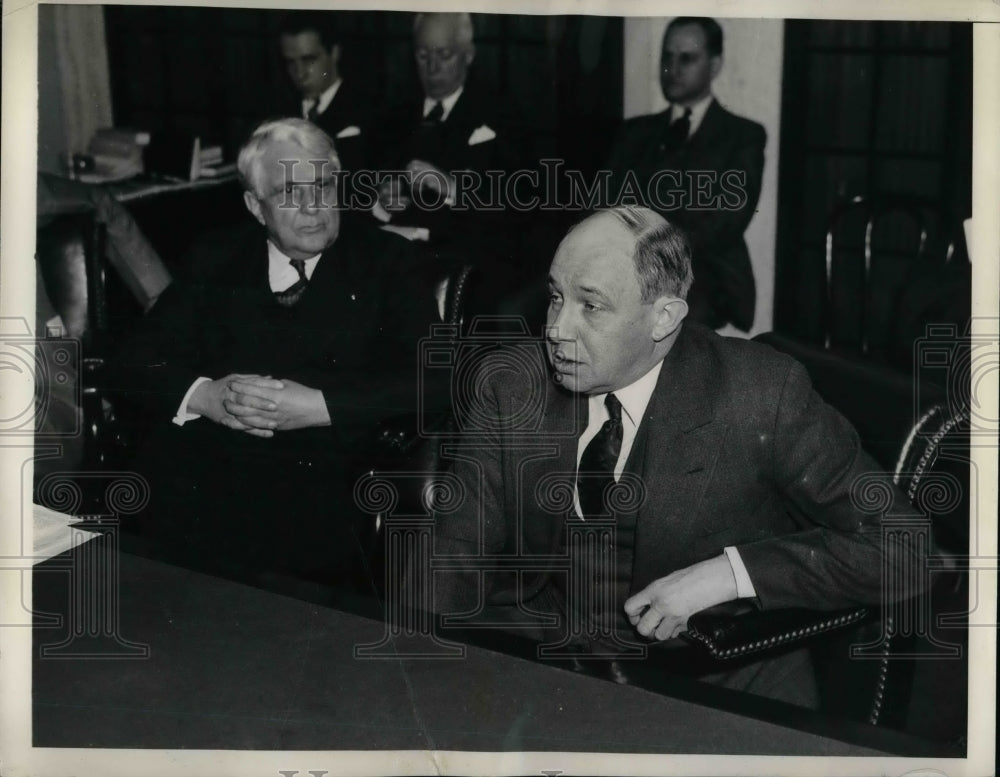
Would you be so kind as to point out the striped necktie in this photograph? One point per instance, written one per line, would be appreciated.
(294, 293)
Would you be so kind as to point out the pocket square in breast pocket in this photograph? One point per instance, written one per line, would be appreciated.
(481, 135)
(348, 132)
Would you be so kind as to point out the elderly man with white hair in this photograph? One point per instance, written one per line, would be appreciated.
(445, 139)
(259, 370)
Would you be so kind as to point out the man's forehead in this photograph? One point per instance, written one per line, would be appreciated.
(437, 33)
(685, 37)
(285, 159)
(305, 41)
(600, 247)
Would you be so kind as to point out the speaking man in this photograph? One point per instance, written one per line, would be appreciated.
(722, 474)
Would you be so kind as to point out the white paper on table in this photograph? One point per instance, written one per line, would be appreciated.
(53, 534)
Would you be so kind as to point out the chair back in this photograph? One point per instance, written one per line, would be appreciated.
(69, 251)
(874, 247)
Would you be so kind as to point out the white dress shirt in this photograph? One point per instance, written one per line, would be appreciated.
(634, 400)
(324, 99)
(447, 103)
(280, 276)
(698, 111)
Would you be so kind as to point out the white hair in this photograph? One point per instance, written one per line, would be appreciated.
(311, 138)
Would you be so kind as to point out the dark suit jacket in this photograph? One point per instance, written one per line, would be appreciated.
(350, 108)
(448, 147)
(735, 449)
(224, 499)
(724, 283)
(353, 335)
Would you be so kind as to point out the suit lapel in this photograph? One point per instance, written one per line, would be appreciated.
(711, 125)
(546, 476)
(675, 454)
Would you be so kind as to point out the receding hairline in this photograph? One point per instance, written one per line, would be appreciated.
(460, 23)
(636, 226)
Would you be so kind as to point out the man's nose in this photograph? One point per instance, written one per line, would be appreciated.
(559, 327)
(310, 198)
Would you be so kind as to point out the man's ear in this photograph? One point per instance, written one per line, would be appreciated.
(253, 205)
(470, 54)
(335, 53)
(715, 65)
(670, 311)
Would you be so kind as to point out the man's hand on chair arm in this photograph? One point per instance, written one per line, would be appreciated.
(661, 610)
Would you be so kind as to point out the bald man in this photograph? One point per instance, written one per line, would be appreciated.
(693, 469)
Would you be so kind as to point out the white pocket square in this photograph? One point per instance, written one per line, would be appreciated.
(349, 132)
(481, 135)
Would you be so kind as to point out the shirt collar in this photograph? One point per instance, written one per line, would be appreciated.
(634, 397)
(447, 103)
(324, 99)
(698, 111)
(277, 260)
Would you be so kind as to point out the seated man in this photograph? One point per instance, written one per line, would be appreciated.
(310, 48)
(712, 468)
(453, 129)
(260, 372)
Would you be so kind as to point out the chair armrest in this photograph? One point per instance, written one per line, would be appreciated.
(738, 628)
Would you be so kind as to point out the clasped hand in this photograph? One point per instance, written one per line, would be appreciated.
(392, 196)
(661, 610)
(260, 405)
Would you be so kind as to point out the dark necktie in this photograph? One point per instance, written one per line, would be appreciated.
(436, 114)
(294, 293)
(677, 132)
(313, 113)
(598, 461)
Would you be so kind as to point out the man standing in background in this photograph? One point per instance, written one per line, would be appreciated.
(701, 167)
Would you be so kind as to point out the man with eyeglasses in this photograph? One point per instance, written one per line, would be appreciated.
(443, 142)
(701, 167)
(278, 350)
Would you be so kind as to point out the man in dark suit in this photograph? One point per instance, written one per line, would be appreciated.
(690, 469)
(700, 166)
(445, 140)
(311, 52)
(262, 369)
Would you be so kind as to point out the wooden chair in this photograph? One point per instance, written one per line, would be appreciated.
(70, 260)
(874, 248)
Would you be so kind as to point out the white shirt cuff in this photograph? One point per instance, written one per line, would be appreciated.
(744, 586)
(183, 416)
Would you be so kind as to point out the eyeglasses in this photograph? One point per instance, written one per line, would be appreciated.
(438, 55)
